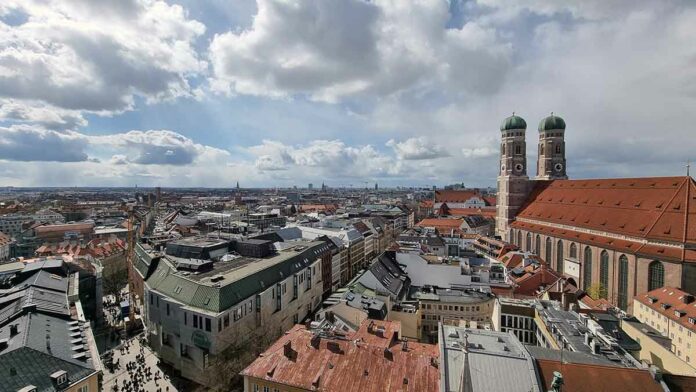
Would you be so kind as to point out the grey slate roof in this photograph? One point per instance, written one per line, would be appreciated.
(41, 348)
(251, 277)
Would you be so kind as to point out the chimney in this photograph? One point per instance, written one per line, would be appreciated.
(14, 329)
(315, 341)
(388, 354)
(287, 350)
(404, 345)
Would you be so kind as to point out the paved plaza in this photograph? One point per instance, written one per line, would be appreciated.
(135, 369)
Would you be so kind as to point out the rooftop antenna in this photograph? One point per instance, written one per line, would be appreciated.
(552, 114)
(688, 166)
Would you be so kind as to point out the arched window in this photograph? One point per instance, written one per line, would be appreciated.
(656, 275)
(587, 269)
(622, 297)
(541, 149)
(529, 242)
(518, 150)
(519, 239)
(502, 148)
(558, 148)
(604, 273)
(559, 256)
(547, 256)
(573, 251)
(537, 245)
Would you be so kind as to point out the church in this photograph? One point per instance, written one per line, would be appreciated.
(618, 237)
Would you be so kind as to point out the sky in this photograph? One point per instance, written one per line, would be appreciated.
(205, 93)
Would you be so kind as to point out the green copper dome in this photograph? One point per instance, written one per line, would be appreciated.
(551, 123)
(513, 122)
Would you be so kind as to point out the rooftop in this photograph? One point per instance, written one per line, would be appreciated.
(485, 360)
(372, 359)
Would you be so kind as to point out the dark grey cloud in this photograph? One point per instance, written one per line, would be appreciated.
(25, 143)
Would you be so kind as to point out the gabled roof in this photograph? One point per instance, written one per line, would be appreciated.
(591, 378)
(455, 196)
(676, 305)
(368, 361)
(654, 208)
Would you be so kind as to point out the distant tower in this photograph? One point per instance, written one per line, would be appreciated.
(237, 185)
(551, 164)
(376, 186)
(513, 183)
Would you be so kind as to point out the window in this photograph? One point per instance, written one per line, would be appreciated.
(256, 388)
(185, 319)
(219, 324)
(587, 269)
(184, 350)
(519, 239)
(656, 275)
(529, 242)
(195, 321)
(604, 273)
(279, 302)
(559, 256)
(167, 309)
(294, 286)
(85, 388)
(207, 325)
(623, 283)
(537, 245)
(573, 251)
(518, 149)
(237, 314)
(547, 256)
(285, 288)
(226, 320)
(558, 148)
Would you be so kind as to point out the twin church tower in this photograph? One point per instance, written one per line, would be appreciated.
(514, 186)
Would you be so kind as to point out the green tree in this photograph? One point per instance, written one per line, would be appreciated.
(597, 291)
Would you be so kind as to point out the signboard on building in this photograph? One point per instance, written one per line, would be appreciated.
(200, 339)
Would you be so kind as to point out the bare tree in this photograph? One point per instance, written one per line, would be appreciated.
(244, 345)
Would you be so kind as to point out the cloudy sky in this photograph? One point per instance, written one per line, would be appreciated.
(284, 92)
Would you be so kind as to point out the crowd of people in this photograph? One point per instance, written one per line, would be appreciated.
(139, 372)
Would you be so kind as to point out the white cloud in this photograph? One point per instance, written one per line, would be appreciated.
(96, 56)
(332, 49)
(27, 143)
(417, 148)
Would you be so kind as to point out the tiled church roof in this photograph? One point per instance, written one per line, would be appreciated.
(661, 209)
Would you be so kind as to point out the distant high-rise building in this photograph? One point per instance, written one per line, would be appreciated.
(310, 186)
(376, 186)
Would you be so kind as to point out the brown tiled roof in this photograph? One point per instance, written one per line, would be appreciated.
(359, 362)
(487, 212)
(656, 208)
(670, 302)
(593, 378)
(455, 196)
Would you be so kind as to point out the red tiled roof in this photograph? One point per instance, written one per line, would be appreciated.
(656, 208)
(673, 299)
(529, 283)
(490, 213)
(349, 364)
(455, 196)
(593, 378)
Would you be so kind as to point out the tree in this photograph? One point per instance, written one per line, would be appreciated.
(114, 276)
(597, 291)
(244, 345)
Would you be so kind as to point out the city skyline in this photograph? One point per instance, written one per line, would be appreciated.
(270, 93)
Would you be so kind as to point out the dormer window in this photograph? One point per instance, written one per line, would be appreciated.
(665, 306)
(679, 313)
(692, 320)
(652, 300)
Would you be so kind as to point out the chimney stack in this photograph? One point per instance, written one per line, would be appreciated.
(14, 329)
(287, 350)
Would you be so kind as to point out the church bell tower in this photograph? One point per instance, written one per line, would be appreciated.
(513, 183)
(551, 164)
